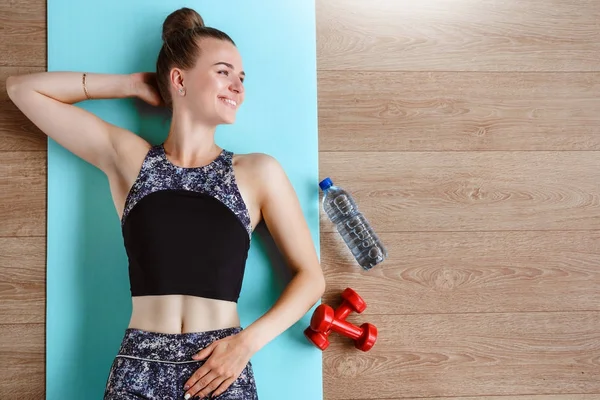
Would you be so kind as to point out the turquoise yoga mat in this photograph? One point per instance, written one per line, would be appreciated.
(88, 303)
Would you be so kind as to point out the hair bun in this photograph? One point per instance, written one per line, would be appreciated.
(181, 21)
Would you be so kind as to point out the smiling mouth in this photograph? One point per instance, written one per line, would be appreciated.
(229, 102)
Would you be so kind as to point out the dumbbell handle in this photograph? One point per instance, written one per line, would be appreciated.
(346, 328)
(342, 311)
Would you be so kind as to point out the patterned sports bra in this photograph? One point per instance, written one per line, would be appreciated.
(186, 230)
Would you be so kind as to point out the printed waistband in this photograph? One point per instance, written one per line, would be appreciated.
(169, 347)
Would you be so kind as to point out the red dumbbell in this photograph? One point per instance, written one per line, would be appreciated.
(351, 302)
(324, 320)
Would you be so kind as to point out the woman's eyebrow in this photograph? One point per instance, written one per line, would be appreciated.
(229, 65)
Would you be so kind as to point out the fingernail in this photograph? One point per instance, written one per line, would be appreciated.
(186, 387)
(187, 396)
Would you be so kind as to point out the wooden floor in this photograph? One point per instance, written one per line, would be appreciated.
(469, 132)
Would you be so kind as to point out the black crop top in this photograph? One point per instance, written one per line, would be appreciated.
(186, 230)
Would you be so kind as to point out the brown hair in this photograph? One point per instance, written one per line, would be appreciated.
(182, 31)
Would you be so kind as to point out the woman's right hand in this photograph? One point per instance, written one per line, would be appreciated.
(145, 87)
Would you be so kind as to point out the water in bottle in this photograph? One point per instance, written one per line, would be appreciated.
(354, 228)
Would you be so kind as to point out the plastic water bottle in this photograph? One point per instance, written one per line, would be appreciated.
(354, 228)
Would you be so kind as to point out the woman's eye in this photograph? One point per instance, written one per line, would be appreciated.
(227, 74)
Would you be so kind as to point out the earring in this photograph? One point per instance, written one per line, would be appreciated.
(181, 90)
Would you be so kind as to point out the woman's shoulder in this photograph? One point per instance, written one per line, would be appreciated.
(263, 171)
(256, 162)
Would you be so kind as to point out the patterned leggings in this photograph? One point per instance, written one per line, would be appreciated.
(151, 365)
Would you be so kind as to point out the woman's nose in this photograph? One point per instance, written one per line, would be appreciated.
(237, 86)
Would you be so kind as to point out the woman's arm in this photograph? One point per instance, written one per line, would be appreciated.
(283, 217)
(47, 99)
(67, 87)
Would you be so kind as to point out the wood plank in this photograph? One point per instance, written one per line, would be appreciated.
(436, 111)
(17, 132)
(24, 33)
(22, 280)
(467, 355)
(459, 272)
(23, 194)
(463, 35)
(470, 191)
(569, 396)
(22, 367)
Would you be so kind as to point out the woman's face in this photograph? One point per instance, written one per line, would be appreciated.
(214, 88)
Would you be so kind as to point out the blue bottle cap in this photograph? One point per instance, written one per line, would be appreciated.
(325, 184)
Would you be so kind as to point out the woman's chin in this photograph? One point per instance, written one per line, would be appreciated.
(227, 119)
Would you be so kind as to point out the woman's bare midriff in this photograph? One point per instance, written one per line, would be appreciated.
(182, 314)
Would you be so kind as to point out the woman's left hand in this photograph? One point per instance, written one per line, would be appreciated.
(227, 358)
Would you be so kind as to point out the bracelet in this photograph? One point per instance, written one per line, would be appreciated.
(85, 88)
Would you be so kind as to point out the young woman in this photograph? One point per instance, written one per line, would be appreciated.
(187, 209)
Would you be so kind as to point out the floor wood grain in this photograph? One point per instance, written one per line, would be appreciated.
(449, 111)
(23, 193)
(460, 35)
(22, 361)
(470, 191)
(471, 272)
(569, 396)
(468, 355)
(23, 33)
(22, 280)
